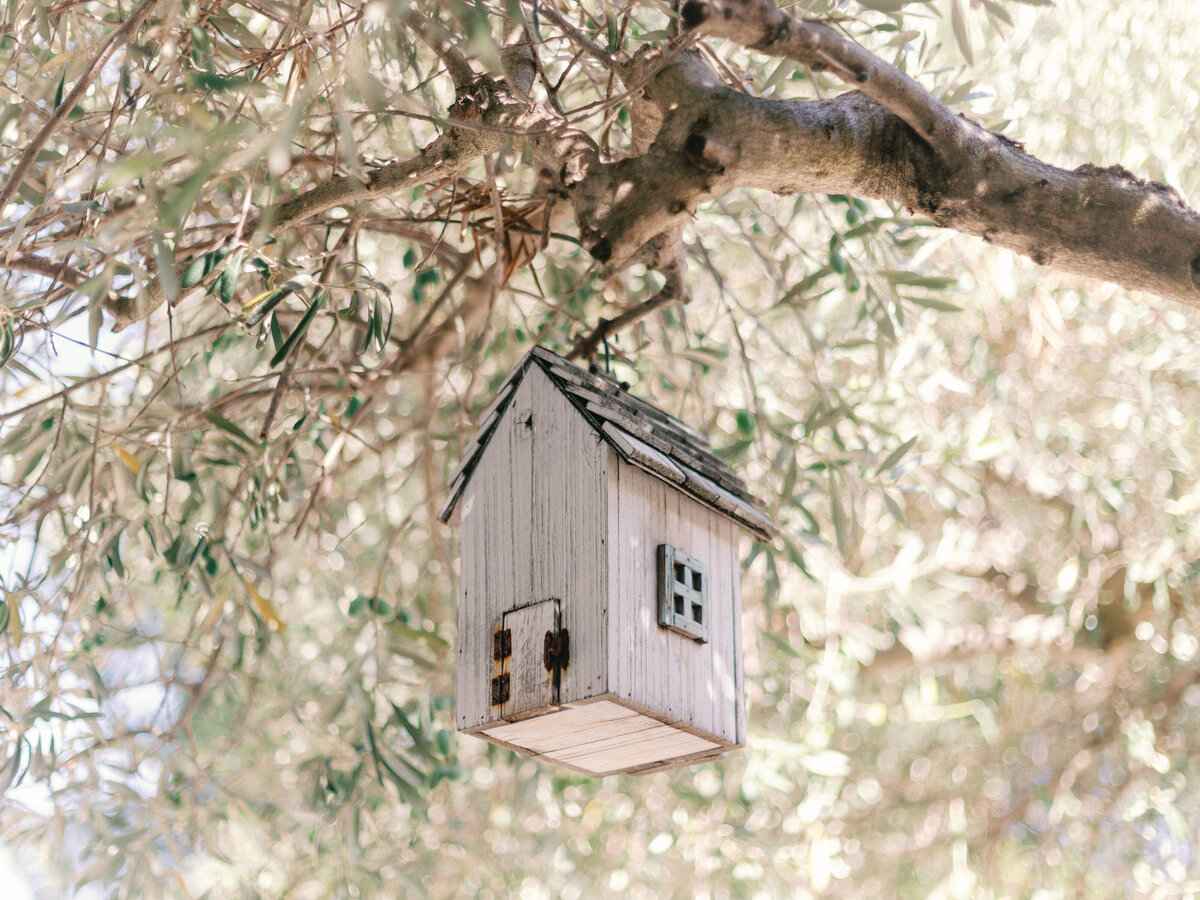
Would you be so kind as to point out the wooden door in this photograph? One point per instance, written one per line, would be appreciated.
(531, 685)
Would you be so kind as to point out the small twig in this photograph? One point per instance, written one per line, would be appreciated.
(285, 374)
(437, 244)
(498, 213)
(672, 291)
(433, 34)
(409, 346)
(116, 370)
(89, 529)
(444, 157)
(579, 39)
(115, 40)
(244, 216)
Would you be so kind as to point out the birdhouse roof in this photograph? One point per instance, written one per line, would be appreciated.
(642, 434)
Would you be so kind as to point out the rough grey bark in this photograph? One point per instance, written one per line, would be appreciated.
(1100, 222)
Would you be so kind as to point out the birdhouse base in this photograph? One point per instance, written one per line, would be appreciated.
(604, 737)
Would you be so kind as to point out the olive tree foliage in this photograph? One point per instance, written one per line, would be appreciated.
(264, 265)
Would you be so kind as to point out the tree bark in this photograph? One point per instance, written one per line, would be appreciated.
(697, 139)
(894, 141)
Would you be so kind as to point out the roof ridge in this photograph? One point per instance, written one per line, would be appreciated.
(601, 380)
(641, 433)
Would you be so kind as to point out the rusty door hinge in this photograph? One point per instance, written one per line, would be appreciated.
(499, 690)
(502, 644)
(501, 650)
(556, 650)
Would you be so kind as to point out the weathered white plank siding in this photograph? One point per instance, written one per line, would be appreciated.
(725, 676)
(534, 523)
(738, 676)
(620, 626)
(495, 580)
(701, 658)
(569, 522)
(653, 668)
(517, 538)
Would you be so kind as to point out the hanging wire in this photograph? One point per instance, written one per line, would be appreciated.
(607, 351)
(594, 368)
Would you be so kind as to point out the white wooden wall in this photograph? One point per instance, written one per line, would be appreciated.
(698, 686)
(521, 546)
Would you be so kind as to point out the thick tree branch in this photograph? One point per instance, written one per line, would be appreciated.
(39, 265)
(891, 140)
(517, 55)
(758, 24)
(1102, 223)
(445, 157)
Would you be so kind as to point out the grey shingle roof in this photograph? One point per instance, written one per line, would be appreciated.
(642, 434)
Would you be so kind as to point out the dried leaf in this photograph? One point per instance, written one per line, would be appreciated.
(264, 606)
(131, 462)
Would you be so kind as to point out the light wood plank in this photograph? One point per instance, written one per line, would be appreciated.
(522, 425)
(572, 727)
(677, 650)
(718, 682)
(488, 523)
(465, 711)
(642, 454)
(615, 739)
(653, 745)
(697, 662)
(741, 726)
(615, 662)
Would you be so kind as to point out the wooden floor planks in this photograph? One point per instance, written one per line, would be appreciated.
(600, 738)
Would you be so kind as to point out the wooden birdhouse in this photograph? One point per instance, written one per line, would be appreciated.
(599, 619)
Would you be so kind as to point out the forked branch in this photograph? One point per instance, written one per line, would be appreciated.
(760, 25)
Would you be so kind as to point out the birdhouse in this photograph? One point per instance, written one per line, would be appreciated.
(599, 619)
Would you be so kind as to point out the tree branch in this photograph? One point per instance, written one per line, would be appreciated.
(891, 140)
(39, 265)
(517, 55)
(673, 291)
(435, 36)
(444, 157)
(115, 40)
(578, 38)
(758, 24)
(1102, 223)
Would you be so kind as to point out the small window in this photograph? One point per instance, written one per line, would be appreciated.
(682, 593)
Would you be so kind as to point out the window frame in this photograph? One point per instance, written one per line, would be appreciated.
(680, 601)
